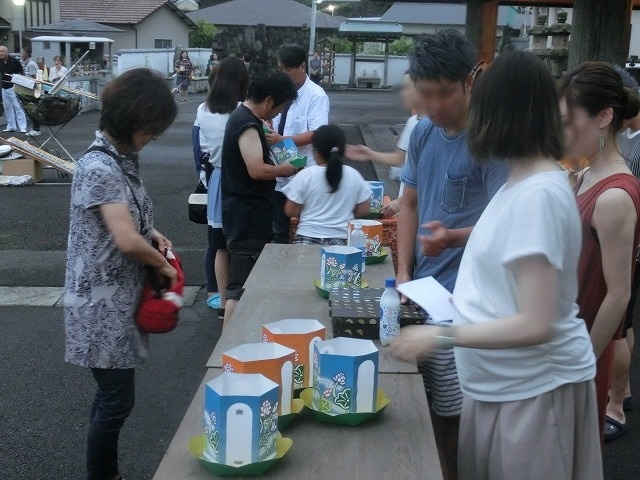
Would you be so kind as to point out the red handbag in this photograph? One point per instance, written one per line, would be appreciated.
(158, 310)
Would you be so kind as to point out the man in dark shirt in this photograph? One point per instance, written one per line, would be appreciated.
(249, 178)
(12, 109)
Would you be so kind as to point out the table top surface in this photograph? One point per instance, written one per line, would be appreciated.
(280, 287)
(263, 305)
(295, 267)
(399, 444)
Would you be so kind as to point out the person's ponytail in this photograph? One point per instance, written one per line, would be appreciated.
(329, 141)
(334, 169)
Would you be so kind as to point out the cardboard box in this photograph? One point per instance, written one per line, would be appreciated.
(345, 376)
(373, 231)
(377, 197)
(272, 360)
(340, 266)
(300, 335)
(23, 166)
(241, 419)
(356, 313)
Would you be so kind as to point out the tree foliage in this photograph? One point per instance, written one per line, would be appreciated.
(363, 8)
(401, 46)
(203, 35)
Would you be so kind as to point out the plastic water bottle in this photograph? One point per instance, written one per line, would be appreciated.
(359, 240)
(389, 312)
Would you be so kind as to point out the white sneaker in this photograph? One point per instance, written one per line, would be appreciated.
(34, 133)
(23, 131)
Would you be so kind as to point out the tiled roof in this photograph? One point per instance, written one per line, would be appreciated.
(109, 11)
(445, 14)
(272, 13)
(76, 25)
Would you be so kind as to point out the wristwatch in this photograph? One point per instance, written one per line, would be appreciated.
(447, 340)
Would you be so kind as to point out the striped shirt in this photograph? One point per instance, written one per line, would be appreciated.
(629, 143)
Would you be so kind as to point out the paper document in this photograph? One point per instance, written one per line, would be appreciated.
(432, 296)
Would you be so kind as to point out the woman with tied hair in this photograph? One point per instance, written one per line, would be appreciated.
(229, 84)
(594, 104)
(326, 196)
(110, 246)
(524, 357)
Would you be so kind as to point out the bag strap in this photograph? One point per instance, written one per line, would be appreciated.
(108, 152)
(206, 166)
(159, 285)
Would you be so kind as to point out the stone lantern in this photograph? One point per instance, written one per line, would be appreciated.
(539, 34)
(559, 51)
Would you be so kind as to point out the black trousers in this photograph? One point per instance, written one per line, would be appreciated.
(243, 255)
(281, 222)
(112, 404)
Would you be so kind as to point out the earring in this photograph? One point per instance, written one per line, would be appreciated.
(601, 142)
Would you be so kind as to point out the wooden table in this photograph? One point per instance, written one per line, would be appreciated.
(295, 267)
(389, 235)
(281, 286)
(262, 305)
(399, 444)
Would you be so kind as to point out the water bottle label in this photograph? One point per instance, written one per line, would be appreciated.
(389, 325)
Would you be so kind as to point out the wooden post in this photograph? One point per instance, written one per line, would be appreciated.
(386, 63)
(482, 26)
(352, 72)
(601, 31)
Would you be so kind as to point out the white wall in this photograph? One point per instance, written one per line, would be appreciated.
(162, 60)
(397, 66)
(158, 59)
(163, 23)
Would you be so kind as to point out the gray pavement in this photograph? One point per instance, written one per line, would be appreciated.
(44, 402)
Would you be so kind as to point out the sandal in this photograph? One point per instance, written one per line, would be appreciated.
(613, 429)
(214, 301)
(627, 404)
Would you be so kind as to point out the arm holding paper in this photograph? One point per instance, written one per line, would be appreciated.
(532, 325)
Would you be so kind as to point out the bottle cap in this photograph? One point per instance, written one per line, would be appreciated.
(390, 283)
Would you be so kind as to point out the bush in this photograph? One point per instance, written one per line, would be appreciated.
(401, 46)
(203, 35)
(342, 45)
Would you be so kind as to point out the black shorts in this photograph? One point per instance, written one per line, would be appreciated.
(217, 239)
(635, 287)
(243, 255)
